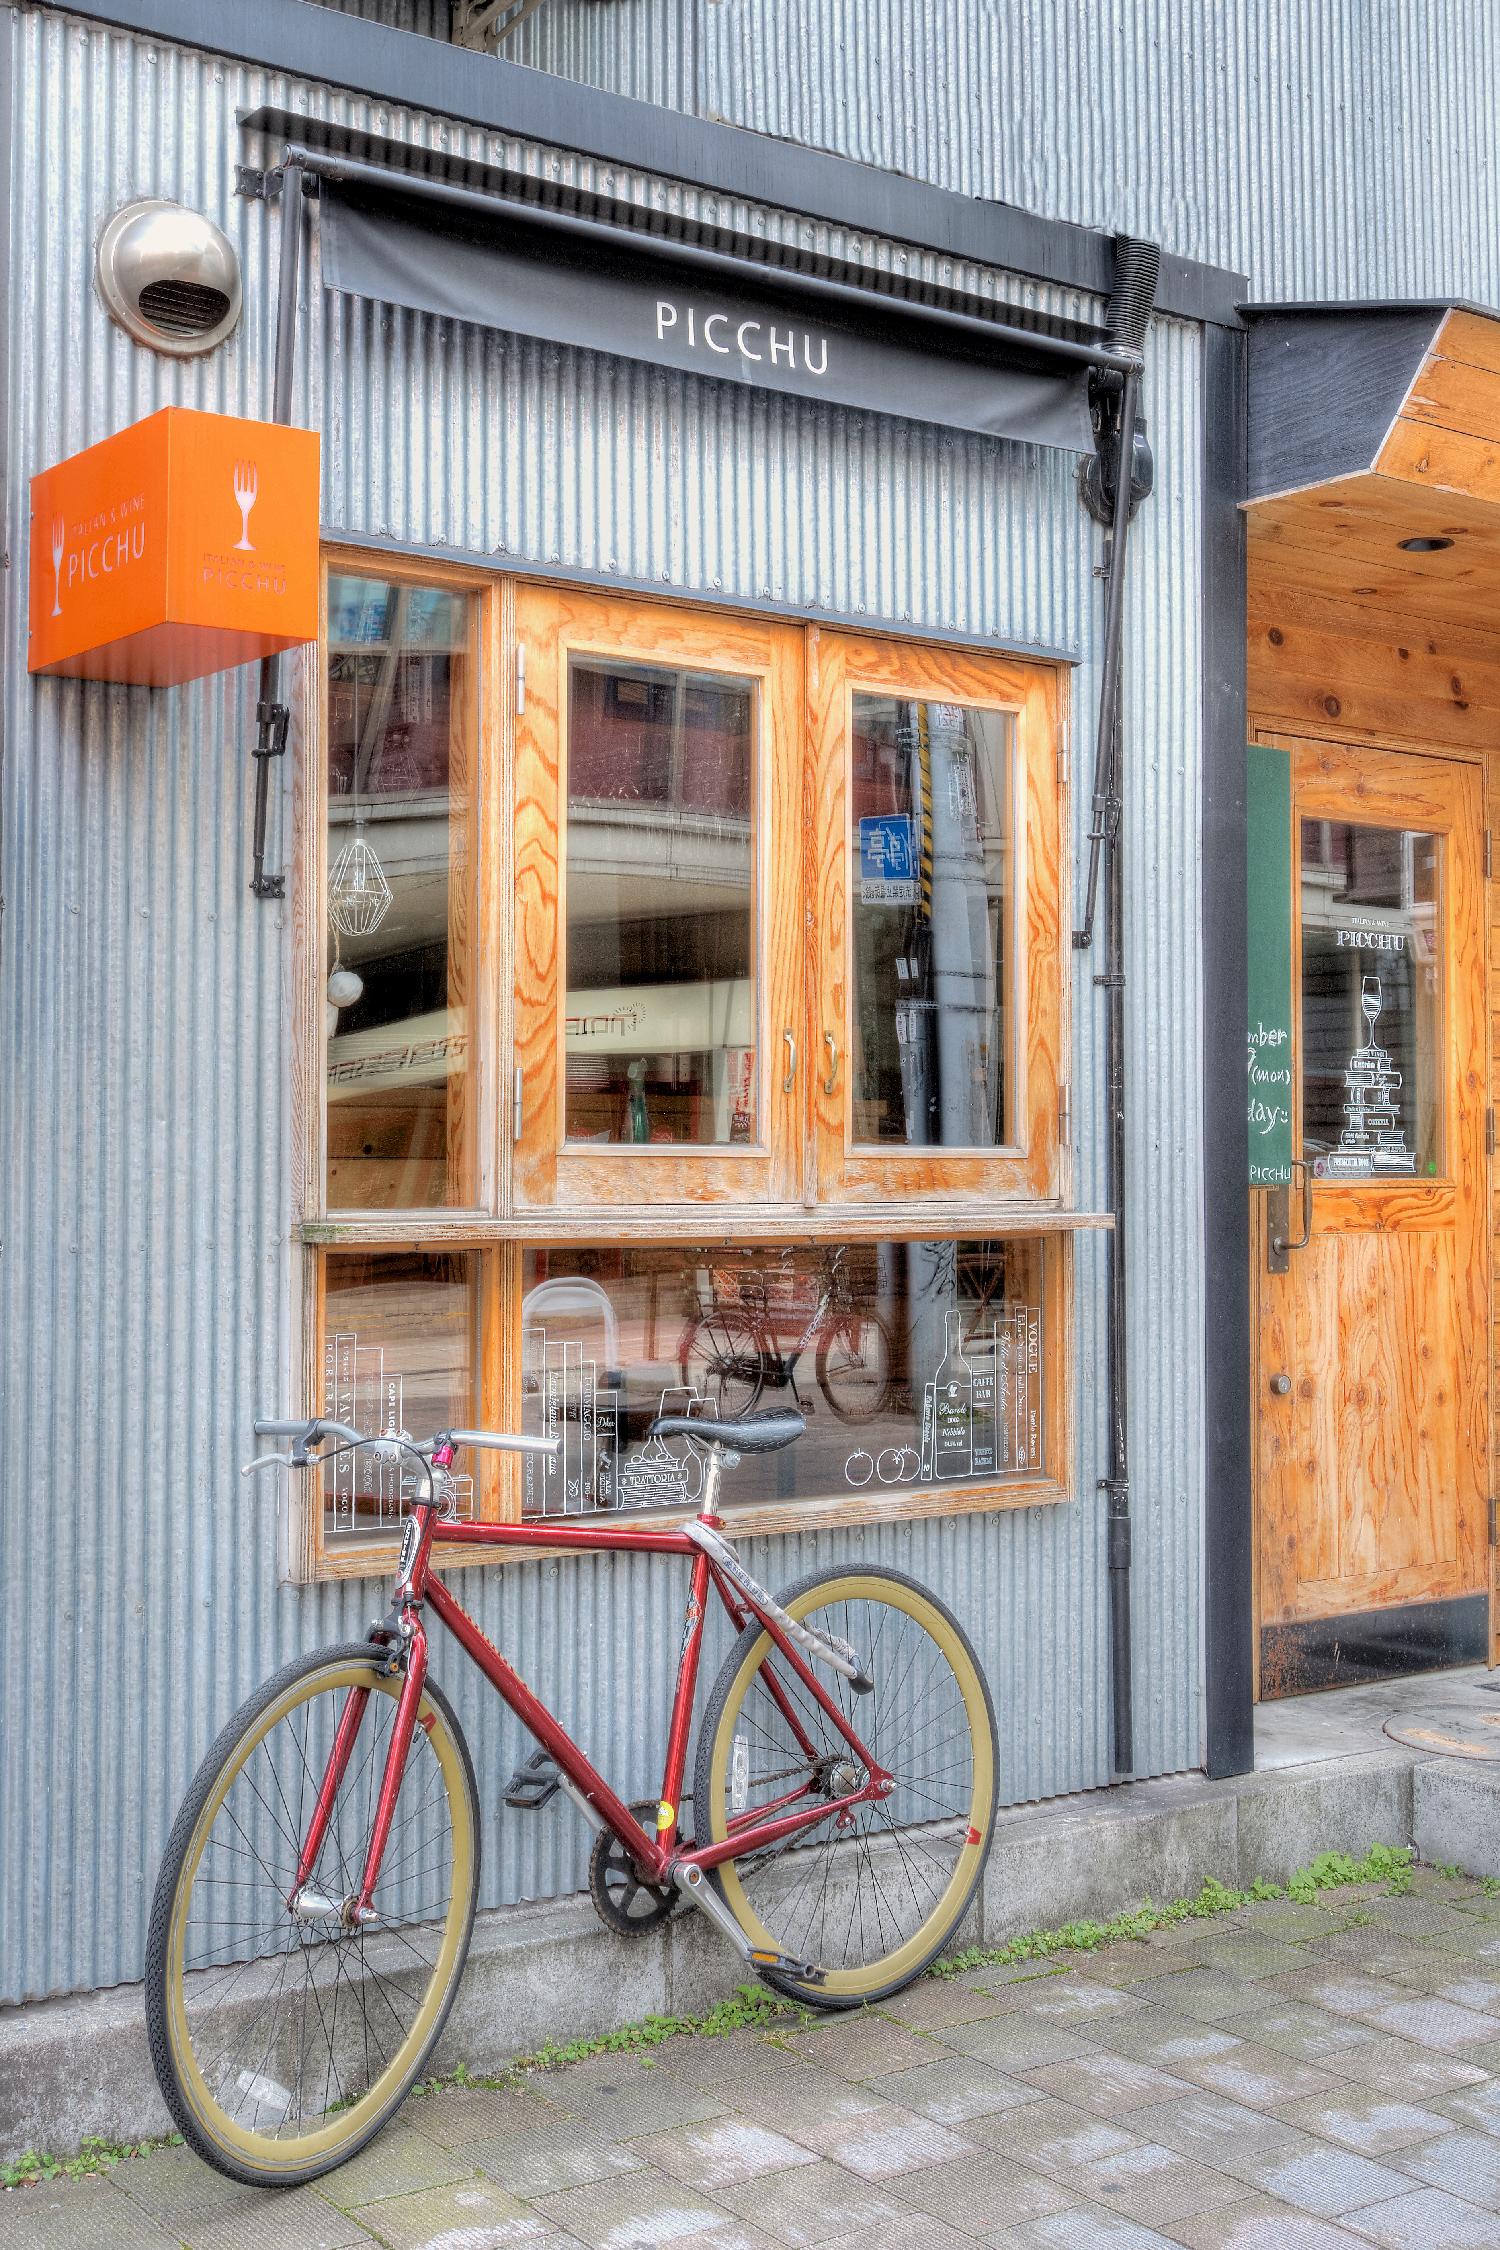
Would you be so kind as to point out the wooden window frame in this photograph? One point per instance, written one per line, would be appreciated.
(1029, 1201)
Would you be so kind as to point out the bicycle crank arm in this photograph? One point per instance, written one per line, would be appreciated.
(695, 1885)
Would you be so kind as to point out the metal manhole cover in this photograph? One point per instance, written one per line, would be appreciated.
(1451, 1733)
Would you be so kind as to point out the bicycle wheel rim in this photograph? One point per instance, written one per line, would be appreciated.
(922, 1931)
(347, 2124)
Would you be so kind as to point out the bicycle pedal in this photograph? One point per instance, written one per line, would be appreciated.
(805, 1972)
(534, 1783)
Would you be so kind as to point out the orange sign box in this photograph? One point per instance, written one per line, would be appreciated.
(181, 546)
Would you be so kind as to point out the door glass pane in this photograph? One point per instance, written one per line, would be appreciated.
(1371, 1001)
(930, 884)
(660, 1037)
(400, 722)
(398, 1360)
(916, 1364)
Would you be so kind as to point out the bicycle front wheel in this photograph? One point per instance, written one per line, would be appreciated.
(283, 2042)
(871, 1895)
(854, 1367)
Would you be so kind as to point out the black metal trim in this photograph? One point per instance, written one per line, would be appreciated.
(1228, 1534)
(1373, 1644)
(418, 73)
(540, 570)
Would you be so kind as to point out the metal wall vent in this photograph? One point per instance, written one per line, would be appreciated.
(170, 277)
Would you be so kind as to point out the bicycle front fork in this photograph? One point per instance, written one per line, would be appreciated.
(313, 1906)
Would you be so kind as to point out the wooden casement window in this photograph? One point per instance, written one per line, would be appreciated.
(687, 1005)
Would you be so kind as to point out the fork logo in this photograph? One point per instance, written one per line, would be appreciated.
(59, 549)
(246, 486)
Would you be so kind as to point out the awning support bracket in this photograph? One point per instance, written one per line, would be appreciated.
(272, 715)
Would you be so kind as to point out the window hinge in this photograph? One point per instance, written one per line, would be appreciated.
(1494, 1521)
(1489, 854)
(520, 679)
(1065, 1116)
(516, 1098)
(1489, 1130)
(1062, 754)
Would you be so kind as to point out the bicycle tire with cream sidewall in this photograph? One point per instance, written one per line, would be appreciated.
(852, 1988)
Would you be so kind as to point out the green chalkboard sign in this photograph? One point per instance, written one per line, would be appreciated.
(1268, 824)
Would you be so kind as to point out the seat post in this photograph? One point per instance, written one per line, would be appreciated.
(709, 1511)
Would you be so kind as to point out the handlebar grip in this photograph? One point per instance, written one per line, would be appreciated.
(506, 1441)
(284, 1429)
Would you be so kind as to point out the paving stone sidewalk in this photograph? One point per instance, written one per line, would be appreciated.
(1284, 2077)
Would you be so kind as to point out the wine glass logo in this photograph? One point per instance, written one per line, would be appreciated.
(1371, 1000)
(246, 487)
(59, 549)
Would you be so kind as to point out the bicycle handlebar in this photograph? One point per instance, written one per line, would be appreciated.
(310, 1433)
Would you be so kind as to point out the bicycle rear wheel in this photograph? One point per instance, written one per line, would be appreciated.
(722, 1356)
(870, 1896)
(282, 2045)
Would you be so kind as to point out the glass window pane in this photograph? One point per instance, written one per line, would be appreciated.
(400, 716)
(660, 1037)
(930, 845)
(398, 1358)
(916, 1364)
(1371, 1001)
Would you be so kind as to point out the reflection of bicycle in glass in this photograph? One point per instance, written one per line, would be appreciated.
(729, 1346)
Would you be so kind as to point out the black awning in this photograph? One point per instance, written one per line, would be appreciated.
(469, 256)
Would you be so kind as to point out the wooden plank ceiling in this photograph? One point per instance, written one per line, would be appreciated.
(1435, 475)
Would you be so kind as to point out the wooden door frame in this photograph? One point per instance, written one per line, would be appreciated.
(1268, 730)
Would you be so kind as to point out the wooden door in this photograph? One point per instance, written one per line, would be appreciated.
(1373, 1383)
(660, 961)
(939, 897)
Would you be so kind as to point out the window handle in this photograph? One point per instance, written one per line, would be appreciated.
(790, 1079)
(832, 1045)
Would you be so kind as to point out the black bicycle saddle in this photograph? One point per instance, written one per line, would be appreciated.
(756, 1433)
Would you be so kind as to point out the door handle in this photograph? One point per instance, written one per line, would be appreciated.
(791, 1063)
(832, 1045)
(1278, 1240)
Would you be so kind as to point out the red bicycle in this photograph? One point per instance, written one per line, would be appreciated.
(315, 1902)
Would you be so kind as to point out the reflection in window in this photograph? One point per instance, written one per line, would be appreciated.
(660, 1037)
(929, 840)
(399, 722)
(915, 1364)
(1370, 1001)
(398, 1359)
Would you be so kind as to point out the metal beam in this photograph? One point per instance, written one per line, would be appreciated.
(417, 73)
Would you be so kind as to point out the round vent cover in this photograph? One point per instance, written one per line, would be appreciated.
(170, 277)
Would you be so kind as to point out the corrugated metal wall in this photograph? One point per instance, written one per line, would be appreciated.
(1327, 148)
(148, 1276)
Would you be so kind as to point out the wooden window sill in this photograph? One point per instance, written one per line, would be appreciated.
(925, 1218)
(374, 1558)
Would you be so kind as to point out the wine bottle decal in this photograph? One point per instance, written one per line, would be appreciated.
(953, 1406)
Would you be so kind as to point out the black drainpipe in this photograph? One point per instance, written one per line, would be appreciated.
(1113, 484)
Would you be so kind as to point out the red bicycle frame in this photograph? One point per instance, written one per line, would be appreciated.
(658, 1858)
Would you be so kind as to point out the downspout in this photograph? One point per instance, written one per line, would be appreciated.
(1113, 484)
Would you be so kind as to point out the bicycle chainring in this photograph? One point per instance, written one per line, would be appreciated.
(622, 1900)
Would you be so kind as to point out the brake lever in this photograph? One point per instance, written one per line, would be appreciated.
(265, 1461)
